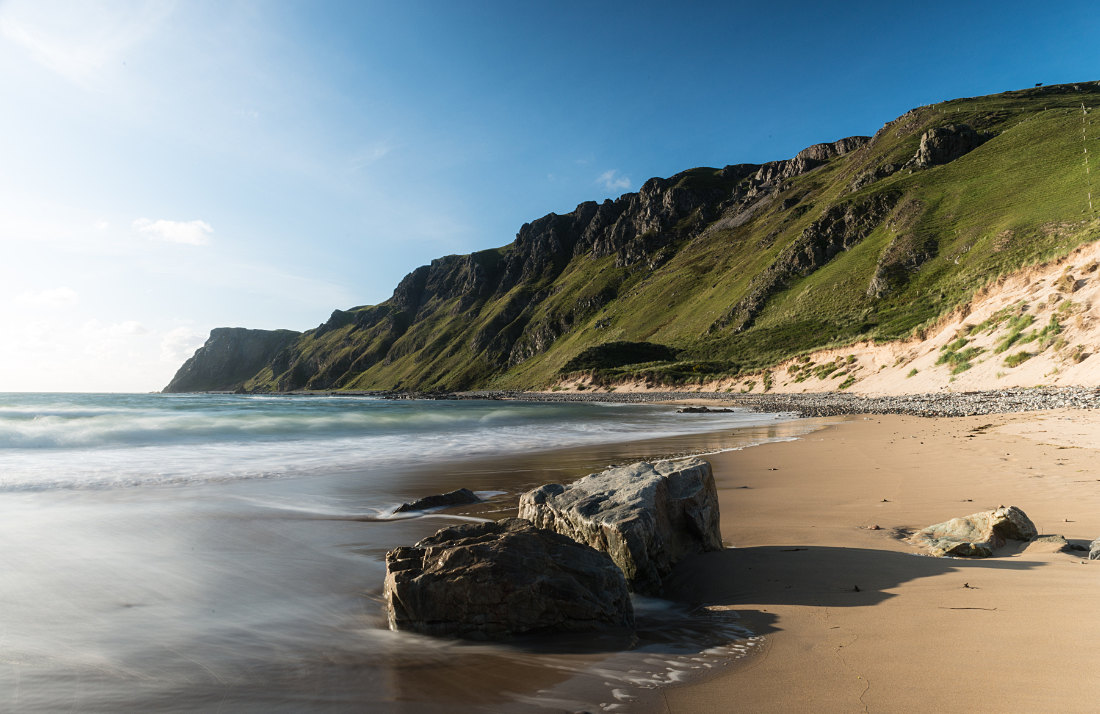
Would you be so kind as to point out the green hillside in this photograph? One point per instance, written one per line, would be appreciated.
(731, 270)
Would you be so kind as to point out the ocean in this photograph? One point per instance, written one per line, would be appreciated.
(226, 552)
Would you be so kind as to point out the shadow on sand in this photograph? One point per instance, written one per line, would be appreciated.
(809, 575)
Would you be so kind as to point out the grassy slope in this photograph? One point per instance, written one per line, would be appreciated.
(1019, 198)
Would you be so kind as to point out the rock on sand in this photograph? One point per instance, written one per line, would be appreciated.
(645, 516)
(976, 535)
(493, 580)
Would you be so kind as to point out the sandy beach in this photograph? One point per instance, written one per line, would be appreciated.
(854, 618)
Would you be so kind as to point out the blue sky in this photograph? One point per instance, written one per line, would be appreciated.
(167, 168)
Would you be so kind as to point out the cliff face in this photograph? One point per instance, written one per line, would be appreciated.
(230, 356)
(733, 268)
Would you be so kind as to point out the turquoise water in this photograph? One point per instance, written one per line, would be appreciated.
(51, 441)
(203, 553)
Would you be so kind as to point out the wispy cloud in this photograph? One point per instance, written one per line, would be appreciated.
(49, 298)
(371, 154)
(612, 180)
(180, 343)
(79, 40)
(129, 328)
(188, 232)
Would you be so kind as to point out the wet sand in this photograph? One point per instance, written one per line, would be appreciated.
(262, 595)
(854, 619)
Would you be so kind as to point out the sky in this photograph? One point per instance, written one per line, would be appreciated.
(171, 167)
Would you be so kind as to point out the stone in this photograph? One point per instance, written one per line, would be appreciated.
(645, 516)
(976, 535)
(943, 145)
(1094, 550)
(439, 500)
(703, 410)
(498, 579)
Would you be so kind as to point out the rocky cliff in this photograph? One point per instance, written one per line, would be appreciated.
(230, 356)
(730, 269)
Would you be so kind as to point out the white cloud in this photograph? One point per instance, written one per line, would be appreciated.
(187, 232)
(179, 344)
(50, 298)
(80, 40)
(613, 181)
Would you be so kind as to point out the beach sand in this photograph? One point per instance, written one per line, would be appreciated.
(1009, 633)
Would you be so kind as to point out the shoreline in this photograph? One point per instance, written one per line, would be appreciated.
(855, 619)
(812, 404)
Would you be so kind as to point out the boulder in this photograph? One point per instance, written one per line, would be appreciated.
(497, 579)
(645, 516)
(453, 498)
(976, 535)
(1094, 550)
(703, 410)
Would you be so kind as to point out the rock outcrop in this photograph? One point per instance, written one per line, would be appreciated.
(839, 228)
(1094, 550)
(495, 580)
(645, 516)
(976, 535)
(230, 356)
(943, 145)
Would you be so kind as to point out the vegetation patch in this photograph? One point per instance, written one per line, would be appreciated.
(1018, 358)
(958, 355)
(618, 354)
(1016, 325)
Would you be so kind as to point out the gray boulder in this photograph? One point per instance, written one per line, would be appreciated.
(1094, 550)
(645, 516)
(494, 580)
(976, 535)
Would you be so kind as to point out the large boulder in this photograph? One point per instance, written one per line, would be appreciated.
(645, 516)
(492, 580)
(1094, 550)
(976, 535)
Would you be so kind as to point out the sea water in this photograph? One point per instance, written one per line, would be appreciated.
(206, 552)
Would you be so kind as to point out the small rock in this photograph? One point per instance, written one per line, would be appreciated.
(453, 498)
(976, 535)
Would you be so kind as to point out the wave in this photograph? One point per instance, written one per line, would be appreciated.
(68, 428)
(110, 441)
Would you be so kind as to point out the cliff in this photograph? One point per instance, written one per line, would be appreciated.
(228, 358)
(723, 271)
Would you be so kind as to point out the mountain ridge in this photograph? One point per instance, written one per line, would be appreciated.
(734, 269)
